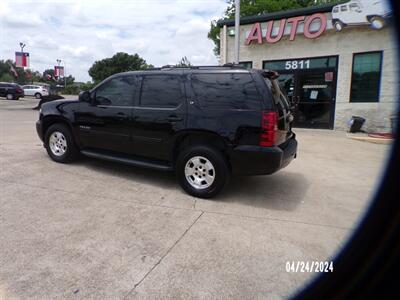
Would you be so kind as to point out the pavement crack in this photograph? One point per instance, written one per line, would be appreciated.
(165, 254)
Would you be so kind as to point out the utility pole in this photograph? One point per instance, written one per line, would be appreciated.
(237, 30)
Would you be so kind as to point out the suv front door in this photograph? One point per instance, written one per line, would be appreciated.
(160, 113)
(106, 121)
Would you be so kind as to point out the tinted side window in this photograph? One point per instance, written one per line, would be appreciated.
(226, 91)
(117, 92)
(161, 91)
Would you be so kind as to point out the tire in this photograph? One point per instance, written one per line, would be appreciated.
(38, 96)
(202, 162)
(338, 25)
(60, 144)
(377, 22)
(10, 97)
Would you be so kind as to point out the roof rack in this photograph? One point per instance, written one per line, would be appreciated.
(229, 65)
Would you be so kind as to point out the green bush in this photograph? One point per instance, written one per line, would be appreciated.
(71, 90)
(86, 86)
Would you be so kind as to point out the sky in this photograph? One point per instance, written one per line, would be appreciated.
(80, 32)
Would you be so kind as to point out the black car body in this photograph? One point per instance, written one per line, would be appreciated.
(11, 91)
(237, 119)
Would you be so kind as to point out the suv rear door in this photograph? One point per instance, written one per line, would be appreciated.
(158, 115)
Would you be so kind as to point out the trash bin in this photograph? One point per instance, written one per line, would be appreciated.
(356, 123)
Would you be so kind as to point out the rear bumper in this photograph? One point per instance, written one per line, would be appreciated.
(256, 160)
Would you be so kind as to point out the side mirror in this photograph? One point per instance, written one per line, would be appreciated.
(85, 96)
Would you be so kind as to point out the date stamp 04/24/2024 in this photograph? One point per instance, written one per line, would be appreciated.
(309, 266)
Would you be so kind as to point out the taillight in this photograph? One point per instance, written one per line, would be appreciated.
(269, 126)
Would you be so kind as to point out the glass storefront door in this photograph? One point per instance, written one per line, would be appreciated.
(316, 99)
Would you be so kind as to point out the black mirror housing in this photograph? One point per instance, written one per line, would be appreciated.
(84, 96)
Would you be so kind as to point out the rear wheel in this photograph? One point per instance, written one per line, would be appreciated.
(338, 25)
(60, 144)
(202, 171)
(10, 96)
(38, 96)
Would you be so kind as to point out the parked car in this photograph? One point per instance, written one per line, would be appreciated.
(36, 91)
(357, 12)
(11, 91)
(205, 123)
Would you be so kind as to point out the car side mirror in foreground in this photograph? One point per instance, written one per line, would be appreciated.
(84, 96)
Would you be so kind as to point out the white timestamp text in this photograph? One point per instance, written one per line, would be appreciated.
(309, 266)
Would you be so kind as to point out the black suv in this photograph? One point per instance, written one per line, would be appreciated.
(205, 123)
(11, 91)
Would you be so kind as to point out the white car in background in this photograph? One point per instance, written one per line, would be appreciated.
(36, 91)
(360, 12)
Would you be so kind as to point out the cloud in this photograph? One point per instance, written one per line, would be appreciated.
(81, 32)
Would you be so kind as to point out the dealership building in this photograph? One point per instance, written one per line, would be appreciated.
(334, 61)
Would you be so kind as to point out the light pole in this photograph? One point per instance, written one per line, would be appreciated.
(22, 45)
(65, 78)
(237, 30)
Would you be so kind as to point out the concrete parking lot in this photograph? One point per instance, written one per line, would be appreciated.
(95, 229)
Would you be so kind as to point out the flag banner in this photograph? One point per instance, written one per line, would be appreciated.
(21, 59)
(59, 71)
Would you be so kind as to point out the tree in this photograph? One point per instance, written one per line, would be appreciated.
(257, 7)
(6, 77)
(70, 80)
(120, 62)
(26, 76)
(184, 62)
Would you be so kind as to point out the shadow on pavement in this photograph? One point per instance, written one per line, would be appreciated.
(281, 191)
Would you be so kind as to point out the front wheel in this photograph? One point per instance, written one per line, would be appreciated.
(60, 144)
(377, 22)
(10, 97)
(202, 171)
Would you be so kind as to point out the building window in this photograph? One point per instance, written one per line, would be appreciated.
(366, 77)
(246, 64)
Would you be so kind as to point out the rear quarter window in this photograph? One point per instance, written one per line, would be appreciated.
(226, 91)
